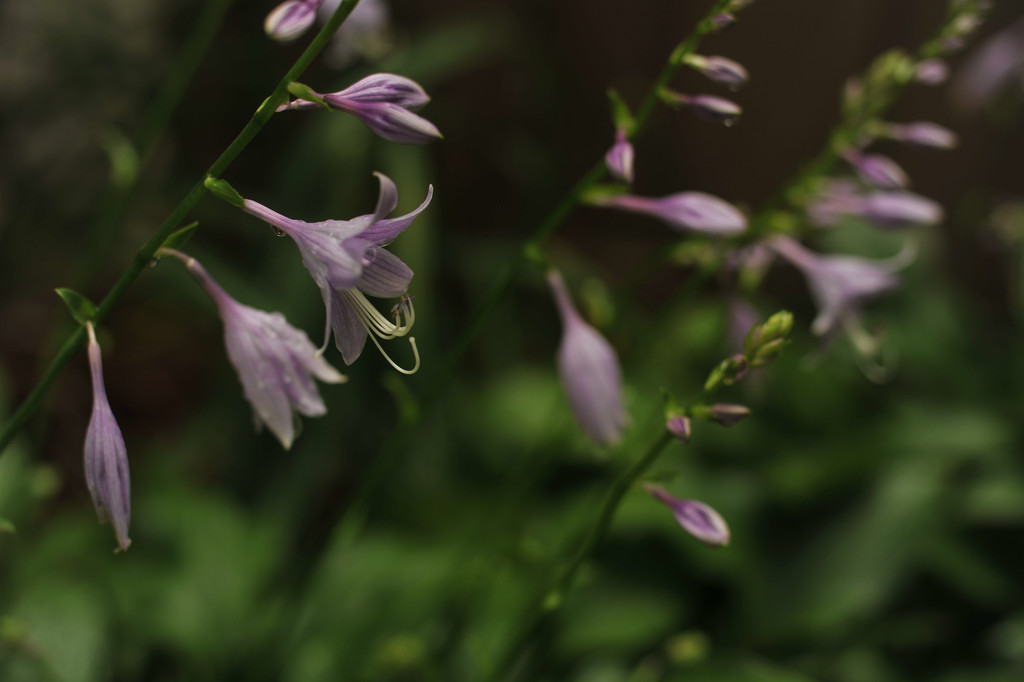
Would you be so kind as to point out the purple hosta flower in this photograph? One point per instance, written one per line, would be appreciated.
(931, 72)
(290, 19)
(680, 427)
(878, 170)
(728, 414)
(684, 211)
(840, 284)
(900, 209)
(619, 158)
(707, 107)
(922, 134)
(696, 518)
(346, 259)
(721, 70)
(276, 362)
(998, 62)
(722, 21)
(385, 103)
(363, 33)
(589, 371)
(106, 459)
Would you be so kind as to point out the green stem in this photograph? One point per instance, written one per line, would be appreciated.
(145, 254)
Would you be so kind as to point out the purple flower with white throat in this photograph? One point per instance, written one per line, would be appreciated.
(878, 170)
(385, 103)
(696, 518)
(106, 458)
(619, 158)
(589, 370)
(276, 363)
(921, 134)
(841, 284)
(347, 261)
(291, 19)
(685, 211)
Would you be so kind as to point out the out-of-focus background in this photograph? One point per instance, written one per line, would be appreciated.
(877, 527)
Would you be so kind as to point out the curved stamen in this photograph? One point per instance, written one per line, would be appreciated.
(374, 321)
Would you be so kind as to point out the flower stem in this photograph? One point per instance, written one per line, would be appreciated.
(145, 254)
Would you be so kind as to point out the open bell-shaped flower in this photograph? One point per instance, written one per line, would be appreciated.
(106, 458)
(346, 259)
(685, 211)
(589, 370)
(696, 518)
(276, 363)
(384, 102)
(840, 284)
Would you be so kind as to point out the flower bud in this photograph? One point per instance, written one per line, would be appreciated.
(878, 170)
(291, 19)
(727, 414)
(619, 158)
(931, 72)
(922, 134)
(696, 518)
(728, 372)
(722, 21)
(707, 107)
(896, 210)
(684, 211)
(720, 69)
(679, 426)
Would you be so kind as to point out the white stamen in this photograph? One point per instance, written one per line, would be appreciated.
(378, 326)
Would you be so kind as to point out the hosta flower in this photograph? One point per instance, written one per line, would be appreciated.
(840, 284)
(619, 158)
(290, 19)
(589, 371)
(365, 31)
(708, 107)
(996, 64)
(931, 72)
(696, 518)
(878, 170)
(347, 261)
(276, 362)
(922, 134)
(385, 103)
(684, 211)
(106, 459)
(885, 209)
(720, 69)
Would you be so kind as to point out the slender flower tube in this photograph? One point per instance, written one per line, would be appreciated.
(589, 371)
(346, 259)
(385, 103)
(707, 107)
(922, 134)
(840, 284)
(720, 69)
(885, 209)
(696, 518)
(619, 158)
(276, 362)
(685, 211)
(291, 19)
(878, 170)
(106, 458)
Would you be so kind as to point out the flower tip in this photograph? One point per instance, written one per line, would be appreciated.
(289, 20)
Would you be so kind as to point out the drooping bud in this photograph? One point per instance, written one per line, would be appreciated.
(619, 158)
(106, 458)
(707, 107)
(922, 134)
(878, 170)
(722, 21)
(589, 370)
(684, 211)
(727, 373)
(720, 69)
(897, 210)
(764, 341)
(696, 518)
(679, 427)
(931, 72)
(727, 414)
(291, 19)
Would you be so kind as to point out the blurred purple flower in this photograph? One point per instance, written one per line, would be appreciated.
(707, 107)
(931, 72)
(680, 427)
(722, 21)
(840, 284)
(290, 19)
(922, 134)
(684, 211)
(346, 260)
(728, 414)
(878, 170)
(385, 103)
(696, 518)
(619, 158)
(363, 33)
(721, 70)
(106, 458)
(995, 64)
(589, 371)
(885, 209)
(276, 363)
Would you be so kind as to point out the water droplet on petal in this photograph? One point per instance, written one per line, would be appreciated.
(278, 232)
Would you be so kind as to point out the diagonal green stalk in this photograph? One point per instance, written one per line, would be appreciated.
(145, 254)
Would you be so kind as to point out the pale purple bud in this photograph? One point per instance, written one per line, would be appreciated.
(685, 211)
(589, 370)
(707, 107)
(619, 158)
(106, 458)
(878, 170)
(900, 209)
(840, 284)
(728, 414)
(679, 426)
(931, 72)
(696, 518)
(722, 21)
(922, 134)
(290, 19)
(996, 63)
(384, 102)
(721, 70)
(276, 363)
(837, 198)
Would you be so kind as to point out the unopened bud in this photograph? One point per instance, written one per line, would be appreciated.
(727, 414)
(720, 69)
(680, 428)
(722, 21)
(728, 372)
(707, 107)
(776, 328)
